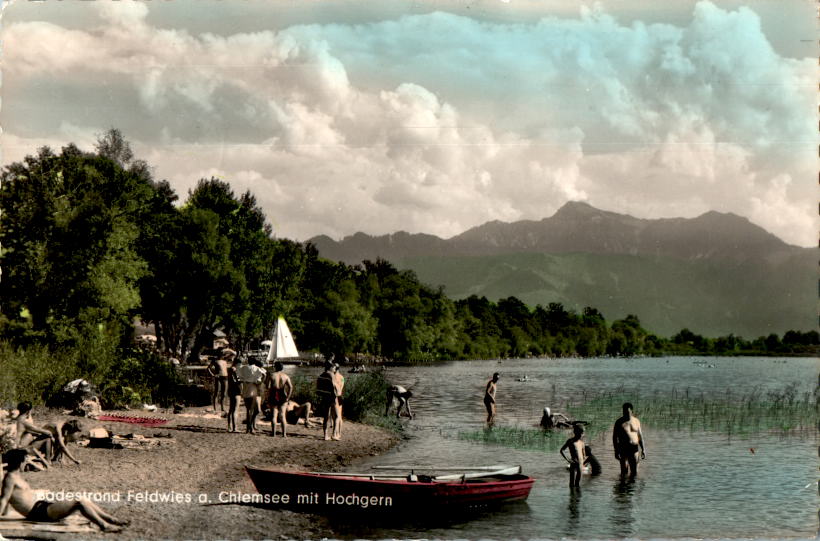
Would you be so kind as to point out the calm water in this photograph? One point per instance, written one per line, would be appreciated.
(691, 485)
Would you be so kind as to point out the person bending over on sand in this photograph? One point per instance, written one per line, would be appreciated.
(17, 493)
(577, 455)
(627, 440)
(403, 396)
(234, 391)
(294, 412)
(252, 376)
(551, 420)
(280, 389)
(59, 430)
(31, 436)
(218, 369)
(592, 462)
(327, 387)
(489, 398)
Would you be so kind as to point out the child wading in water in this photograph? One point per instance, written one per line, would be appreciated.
(577, 454)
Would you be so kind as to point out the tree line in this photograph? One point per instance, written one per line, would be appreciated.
(91, 242)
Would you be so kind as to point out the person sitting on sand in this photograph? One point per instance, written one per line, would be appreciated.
(55, 447)
(592, 462)
(252, 376)
(627, 440)
(294, 412)
(327, 387)
(403, 396)
(577, 455)
(489, 398)
(17, 493)
(280, 389)
(550, 420)
(234, 391)
(31, 436)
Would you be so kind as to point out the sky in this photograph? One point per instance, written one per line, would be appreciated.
(435, 116)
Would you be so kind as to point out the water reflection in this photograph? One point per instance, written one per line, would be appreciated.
(573, 510)
(624, 492)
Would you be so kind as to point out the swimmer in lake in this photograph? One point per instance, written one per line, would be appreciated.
(627, 440)
(17, 494)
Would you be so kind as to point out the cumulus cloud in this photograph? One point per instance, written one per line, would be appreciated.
(439, 122)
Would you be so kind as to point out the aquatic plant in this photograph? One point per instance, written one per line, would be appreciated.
(786, 411)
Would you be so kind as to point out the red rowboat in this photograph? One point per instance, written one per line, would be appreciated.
(345, 492)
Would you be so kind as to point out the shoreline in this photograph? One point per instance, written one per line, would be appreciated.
(191, 485)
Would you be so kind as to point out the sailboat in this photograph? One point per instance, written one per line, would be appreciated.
(282, 344)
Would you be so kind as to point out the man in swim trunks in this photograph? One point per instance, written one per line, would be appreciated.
(327, 387)
(627, 440)
(218, 369)
(17, 493)
(489, 398)
(280, 388)
(403, 396)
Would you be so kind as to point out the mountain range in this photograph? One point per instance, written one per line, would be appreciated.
(715, 274)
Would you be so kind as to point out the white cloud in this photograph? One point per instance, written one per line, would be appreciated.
(438, 122)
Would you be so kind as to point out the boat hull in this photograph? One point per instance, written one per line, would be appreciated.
(319, 493)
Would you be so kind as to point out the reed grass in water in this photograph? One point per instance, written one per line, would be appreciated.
(785, 412)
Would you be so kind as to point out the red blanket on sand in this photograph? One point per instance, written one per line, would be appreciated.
(144, 421)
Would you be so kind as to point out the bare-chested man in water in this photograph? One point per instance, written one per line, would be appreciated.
(280, 390)
(627, 440)
(18, 494)
(489, 398)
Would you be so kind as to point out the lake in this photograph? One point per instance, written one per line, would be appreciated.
(692, 484)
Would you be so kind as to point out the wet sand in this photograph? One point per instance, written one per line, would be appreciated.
(202, 460)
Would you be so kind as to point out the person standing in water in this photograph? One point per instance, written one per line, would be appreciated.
(627, 440)
(489, 398)
(577, 454)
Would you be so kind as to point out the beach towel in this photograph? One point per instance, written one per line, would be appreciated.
(144, 421)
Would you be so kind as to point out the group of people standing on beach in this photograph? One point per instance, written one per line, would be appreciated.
(272, 389)
(627, 438)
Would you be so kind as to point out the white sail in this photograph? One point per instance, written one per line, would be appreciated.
(283, 345)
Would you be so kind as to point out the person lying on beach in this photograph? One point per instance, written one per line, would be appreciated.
(55, 448)
(17, 494)
(577, 454)
(403, 396)
(294, 412)
(280, 389)
(551, 420)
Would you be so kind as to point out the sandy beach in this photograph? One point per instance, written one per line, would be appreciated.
(201, 461)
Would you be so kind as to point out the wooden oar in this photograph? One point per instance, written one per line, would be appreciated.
(445, 468)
